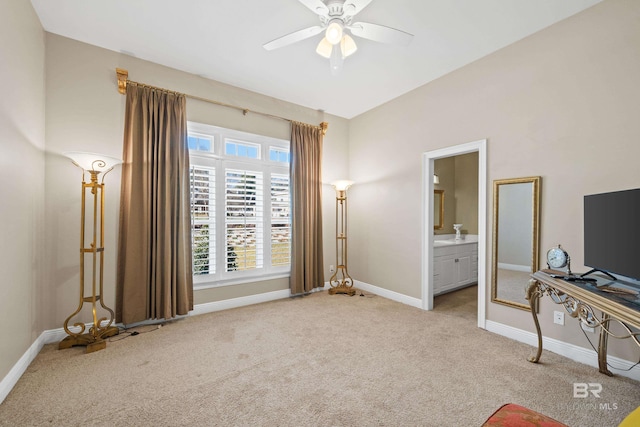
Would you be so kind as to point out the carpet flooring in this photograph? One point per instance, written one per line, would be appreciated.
(318, 360)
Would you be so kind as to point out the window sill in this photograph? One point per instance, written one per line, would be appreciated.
(203, 283)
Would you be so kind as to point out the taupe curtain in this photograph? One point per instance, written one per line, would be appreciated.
(154, 278)
(306, 198)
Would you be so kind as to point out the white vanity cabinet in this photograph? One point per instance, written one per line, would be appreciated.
(455, 265)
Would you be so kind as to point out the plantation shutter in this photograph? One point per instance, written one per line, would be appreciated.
(244, 219)
(280, 220)
(203, 219)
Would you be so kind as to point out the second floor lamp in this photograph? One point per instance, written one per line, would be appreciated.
(341, 282)
(91, 255)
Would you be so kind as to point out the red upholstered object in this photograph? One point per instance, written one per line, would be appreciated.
(511, 415)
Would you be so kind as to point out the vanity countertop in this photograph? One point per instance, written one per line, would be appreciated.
(450, 239)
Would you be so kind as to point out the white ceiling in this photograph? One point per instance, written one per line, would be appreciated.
(222, 40)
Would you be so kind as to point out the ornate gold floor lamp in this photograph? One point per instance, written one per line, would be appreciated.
(341, 282)
(91, 250)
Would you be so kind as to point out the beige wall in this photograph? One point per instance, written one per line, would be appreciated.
(562, 104)
(22, 123)
(85, 112)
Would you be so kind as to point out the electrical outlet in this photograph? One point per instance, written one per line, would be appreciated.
(587, 327)
(558, 317)
(332, 269)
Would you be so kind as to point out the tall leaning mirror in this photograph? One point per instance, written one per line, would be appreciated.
(516, 215)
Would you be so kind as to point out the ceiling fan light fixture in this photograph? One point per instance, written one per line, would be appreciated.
(324, 48)
(334, 32)
(348, 46)
(336, 22)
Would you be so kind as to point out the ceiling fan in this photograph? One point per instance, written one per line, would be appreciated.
(336, 20)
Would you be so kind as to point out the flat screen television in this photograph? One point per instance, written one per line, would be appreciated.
(612, 233)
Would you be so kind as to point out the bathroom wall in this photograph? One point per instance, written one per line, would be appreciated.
(459, 180)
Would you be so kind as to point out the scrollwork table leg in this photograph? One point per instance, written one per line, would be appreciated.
(534, 292)
(602, 346)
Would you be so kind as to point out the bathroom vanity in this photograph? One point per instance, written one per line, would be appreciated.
(455, 263)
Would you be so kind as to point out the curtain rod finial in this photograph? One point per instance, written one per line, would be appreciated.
(324, 126)
(122, 75)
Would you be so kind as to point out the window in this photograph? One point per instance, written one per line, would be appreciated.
(241, 149)
(240, 206)
(199, 142)
(278, 155)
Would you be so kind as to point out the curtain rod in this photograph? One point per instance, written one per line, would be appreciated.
(123, 80)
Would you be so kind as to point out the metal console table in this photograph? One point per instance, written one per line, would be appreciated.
(618, 301)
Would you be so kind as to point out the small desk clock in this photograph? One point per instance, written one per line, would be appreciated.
(558, 258)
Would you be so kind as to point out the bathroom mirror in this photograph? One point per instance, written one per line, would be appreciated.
(516, 213)
(438, 209)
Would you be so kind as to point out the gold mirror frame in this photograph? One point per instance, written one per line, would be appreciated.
(438, 209)
(535, 236)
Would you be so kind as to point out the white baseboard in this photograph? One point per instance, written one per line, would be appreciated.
(10, 380)
(570, 351)
(386, 293)
(47, 337)
(210, 307)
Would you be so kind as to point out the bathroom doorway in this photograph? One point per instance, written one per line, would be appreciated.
(428, 216)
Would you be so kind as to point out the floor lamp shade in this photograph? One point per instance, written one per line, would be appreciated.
(93, 161)
(91, 256)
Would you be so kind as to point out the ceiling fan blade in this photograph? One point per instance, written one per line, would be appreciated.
(351, 7)
(380, 33)
(293, 37)
(316, 6)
